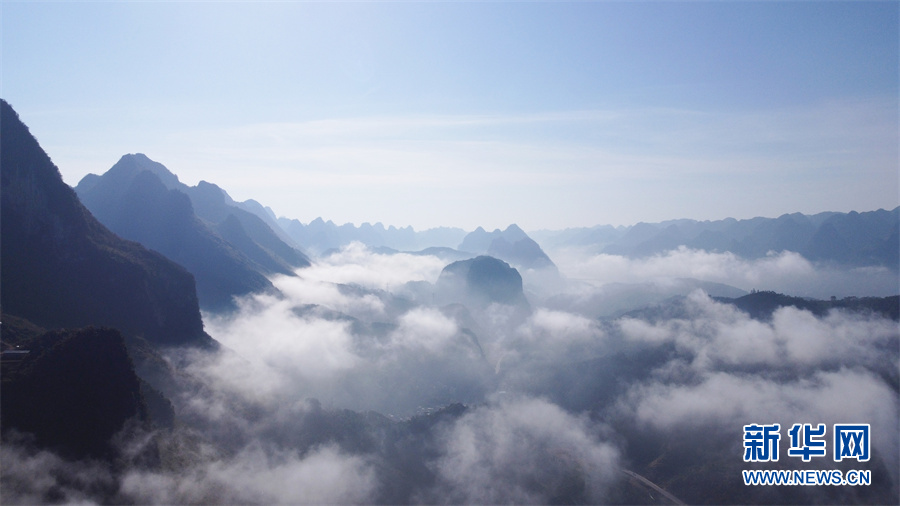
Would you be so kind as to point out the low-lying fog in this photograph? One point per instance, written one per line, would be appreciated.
(785, 272)
(553, 391)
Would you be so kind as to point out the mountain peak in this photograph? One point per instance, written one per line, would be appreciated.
(511, 245)
(513, 233)
(481, 280)
(134, 163)
(229, 250)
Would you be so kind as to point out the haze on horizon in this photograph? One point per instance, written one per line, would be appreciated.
(549, 115)
(377, 376)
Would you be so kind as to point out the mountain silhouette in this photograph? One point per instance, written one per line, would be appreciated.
(228, 250)
(210, 203)
(761, 305)
(511, 245)
(62, 268)
(321, 236)
(214, 205)
(481, 280)
(850, 239)
(73, 391)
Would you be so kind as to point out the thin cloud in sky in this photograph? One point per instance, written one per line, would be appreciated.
(330, 167)
(549, 115)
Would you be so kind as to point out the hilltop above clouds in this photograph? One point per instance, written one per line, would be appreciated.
(373, 375)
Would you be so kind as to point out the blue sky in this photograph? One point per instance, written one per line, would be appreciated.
(548, 115)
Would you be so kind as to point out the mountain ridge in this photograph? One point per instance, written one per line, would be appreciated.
(230, 251)
(63, 268)
(870, 238)
(321, 236)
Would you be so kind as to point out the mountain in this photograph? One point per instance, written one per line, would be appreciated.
(511, 245)
(214, 205)
(62, 268)
(599, 235)
(871, 238)
(142, 209)
(266, 214)
(229, 251)
(321, 236)
(480, 281)
(479, 240)
(761, 305)
(851, 239)
(72, 391)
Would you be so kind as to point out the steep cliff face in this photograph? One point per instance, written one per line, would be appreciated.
(73, 391)
(62, 268)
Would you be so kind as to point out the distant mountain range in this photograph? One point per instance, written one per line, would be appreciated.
(853, 239)
(510, 245)
(229, 250)
(761, 305)
(87, 314)
(320, 236)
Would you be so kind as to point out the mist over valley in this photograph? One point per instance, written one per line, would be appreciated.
(166, 344)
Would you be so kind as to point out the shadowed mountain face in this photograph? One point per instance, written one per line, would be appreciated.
(228, 250)
(73, 391)
(62, 268)
(761, 305)
(480, 281)
(142, 209)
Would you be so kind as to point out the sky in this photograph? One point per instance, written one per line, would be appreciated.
(545, 114)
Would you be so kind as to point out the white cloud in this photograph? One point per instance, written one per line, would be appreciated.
(729, 401)
(725, 399)
(255, 437)
(595, 162)
(523, 451)
(731, 371)
(786, 272)
(255, 476)
(278, 346)
(356, 264)
(560, 325)
(424, 328)
(38, 476)
(354, 346)
(720, 335)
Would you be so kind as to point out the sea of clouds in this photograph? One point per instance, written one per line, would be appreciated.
(307, 400)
